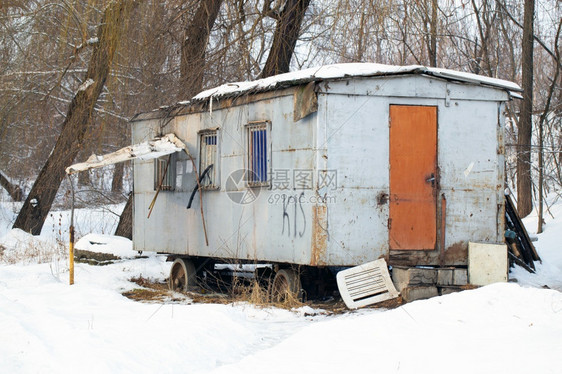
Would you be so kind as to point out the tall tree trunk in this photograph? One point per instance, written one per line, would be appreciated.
(433, 35)
(360, 39)
(194, 46)
(541, 177)
(13, 189)
(542, 121)
(125, 225)
(84, 178)
(524, 182)
(117, 181)
(285, 37)
(75, 126)
(559, 158)
(481, 52)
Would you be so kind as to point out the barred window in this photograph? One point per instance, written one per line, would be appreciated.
(258, 160)
(208, 157)
(165, 172)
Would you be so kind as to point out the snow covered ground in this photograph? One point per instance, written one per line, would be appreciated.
(549, 246)
(47, 326)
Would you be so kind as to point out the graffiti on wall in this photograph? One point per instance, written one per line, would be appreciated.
(294, 219)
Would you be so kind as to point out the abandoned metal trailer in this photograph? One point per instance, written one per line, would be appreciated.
(329, 167)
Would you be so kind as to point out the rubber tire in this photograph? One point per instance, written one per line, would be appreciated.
(186, 268)
(286, 286)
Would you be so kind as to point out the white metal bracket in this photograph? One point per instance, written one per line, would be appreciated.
(447, 95)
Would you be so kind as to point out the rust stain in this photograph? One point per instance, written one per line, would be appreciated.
(382, 198)
(319, 235)
(410, 258)
(442, 229)
(305, 101)
(501, 149)
(457, 253)
(479, 186)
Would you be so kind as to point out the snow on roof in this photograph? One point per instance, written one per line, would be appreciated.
(144, 151)
(338, 71)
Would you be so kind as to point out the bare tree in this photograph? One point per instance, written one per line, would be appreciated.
(75, 126)
(541, 125)
(485, 19)
(125, 225)
(194, 46)
(289, 21)
(525, 124)
(117, 181)
(13, 190)
(192, 68)
(175, 48)
(432, 45)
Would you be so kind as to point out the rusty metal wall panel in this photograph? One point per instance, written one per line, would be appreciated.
(277, 226)
(472, 176)
(413, 177)
(357, 223)
(354, 133)
(500, 151)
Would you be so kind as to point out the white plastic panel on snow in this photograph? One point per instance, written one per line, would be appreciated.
(366, 284)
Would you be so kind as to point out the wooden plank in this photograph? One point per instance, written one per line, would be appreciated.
(528, 249)
(456, 255)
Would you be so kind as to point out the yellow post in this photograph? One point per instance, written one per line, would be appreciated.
(71, 255)
(71, 231)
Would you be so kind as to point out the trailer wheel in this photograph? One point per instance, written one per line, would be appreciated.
(182, 275)
(286, 286)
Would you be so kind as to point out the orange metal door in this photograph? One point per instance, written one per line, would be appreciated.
(413, 177)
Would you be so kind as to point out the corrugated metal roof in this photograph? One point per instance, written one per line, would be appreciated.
(338, 71)
(326, 73)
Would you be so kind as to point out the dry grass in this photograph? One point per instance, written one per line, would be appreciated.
(252, 292)
(145, 295)
(239, 292)
(155, 291)
(257, 293)
(389, 304)
(150, 291)
(33, 252)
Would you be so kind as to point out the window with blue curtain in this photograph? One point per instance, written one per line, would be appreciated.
(257, 154)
